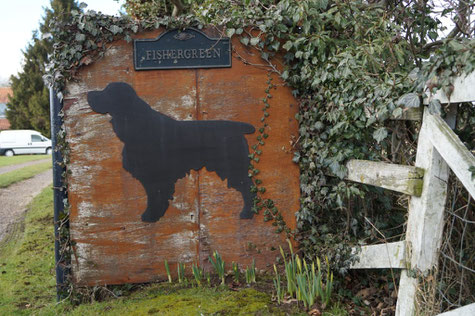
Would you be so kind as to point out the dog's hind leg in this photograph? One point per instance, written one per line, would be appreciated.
(157, 201)
(244, 186)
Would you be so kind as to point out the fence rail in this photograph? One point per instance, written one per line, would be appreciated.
(438, 149)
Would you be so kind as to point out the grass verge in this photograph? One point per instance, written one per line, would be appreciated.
(14, 176)
(15, 160)
(27, 261)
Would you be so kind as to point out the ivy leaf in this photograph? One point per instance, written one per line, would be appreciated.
(456, 45)
(80, 37)
(288, 45)
(255, 41)
(435, 107)
(245, 40)
(397, 112)
(82, 5)
(230, 32)
(409, 100)
(296, 17)
(380, 134)
(115, 29)
(285, 75)
(338, 169)
(323, 4)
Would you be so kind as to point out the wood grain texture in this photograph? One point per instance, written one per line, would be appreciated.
(111, 243)
(388, 255)
(399, 178)
(425, 222)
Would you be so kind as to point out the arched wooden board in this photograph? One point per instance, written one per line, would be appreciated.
(112, 245)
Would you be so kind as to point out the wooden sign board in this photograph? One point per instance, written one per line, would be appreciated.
(156, 165)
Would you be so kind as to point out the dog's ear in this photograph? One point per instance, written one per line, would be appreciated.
(115, 98)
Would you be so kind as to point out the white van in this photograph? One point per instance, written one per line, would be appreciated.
(17, 142)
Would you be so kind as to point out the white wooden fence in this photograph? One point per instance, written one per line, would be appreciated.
(438, 149)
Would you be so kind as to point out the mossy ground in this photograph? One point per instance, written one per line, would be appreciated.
(27, 283)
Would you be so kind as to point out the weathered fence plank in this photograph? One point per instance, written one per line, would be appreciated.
(457, 156)
(425, 222)
(400, 178)
(389, 255)
(463, 91)
(462, 311)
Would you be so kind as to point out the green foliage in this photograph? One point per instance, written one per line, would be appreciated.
(456, 57)
(27, 263)
(180, 267)
(167, 268)
(278, 286)
(236, 272)
(29, 106)
(304, 282)
(197, 273)
(219, 265)
(143, 10)
(250, 273)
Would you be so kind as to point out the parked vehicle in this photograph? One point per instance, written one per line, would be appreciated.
(17, 142)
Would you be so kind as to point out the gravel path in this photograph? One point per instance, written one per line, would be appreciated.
(15, 198)
(21, 165)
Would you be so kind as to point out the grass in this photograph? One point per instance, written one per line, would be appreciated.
(15, 160)
(27, 282)
(14, 176)
(27, 262)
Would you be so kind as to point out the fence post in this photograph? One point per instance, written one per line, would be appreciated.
(425, 222)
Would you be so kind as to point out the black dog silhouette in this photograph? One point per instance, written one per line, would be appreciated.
(159, 150)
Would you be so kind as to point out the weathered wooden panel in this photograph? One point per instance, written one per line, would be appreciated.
(425, 222)
(451, 148)
(389, 255)
(400, 178)
(461, 311)
(112, 244)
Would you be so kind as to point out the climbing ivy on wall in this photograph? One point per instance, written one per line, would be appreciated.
(348, 63)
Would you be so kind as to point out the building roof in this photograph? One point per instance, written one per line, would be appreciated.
(4, 92)
(4, 124)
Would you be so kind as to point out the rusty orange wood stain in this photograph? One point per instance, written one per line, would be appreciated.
(112, 245)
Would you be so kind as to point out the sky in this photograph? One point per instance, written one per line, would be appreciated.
(18, 20)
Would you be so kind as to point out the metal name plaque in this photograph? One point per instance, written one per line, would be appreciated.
(177, 49)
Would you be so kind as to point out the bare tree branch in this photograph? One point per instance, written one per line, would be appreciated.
(178, 7)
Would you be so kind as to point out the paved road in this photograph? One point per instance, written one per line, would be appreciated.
(15, 198)
(25, 164)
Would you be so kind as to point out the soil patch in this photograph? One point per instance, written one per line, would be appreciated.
(15, 198)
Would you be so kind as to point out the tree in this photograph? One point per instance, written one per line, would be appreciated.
(144, 9)
(28, 108)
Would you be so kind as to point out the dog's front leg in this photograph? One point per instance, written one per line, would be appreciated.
(157, 201)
